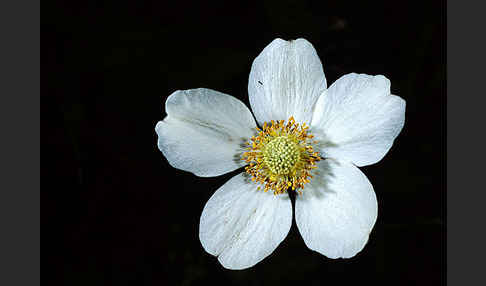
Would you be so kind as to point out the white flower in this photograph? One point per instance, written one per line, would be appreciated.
(352, 123)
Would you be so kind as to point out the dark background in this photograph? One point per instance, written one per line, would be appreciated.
(115, 213)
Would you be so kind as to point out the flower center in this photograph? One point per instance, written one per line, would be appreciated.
(281, 156)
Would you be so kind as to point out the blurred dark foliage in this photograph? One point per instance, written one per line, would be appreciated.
(115, 213)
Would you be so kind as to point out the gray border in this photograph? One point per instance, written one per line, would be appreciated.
(20, 196)
(465, 181)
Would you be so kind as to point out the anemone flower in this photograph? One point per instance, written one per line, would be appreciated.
(310, 141)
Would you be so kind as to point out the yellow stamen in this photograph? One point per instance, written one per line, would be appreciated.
(281, 156)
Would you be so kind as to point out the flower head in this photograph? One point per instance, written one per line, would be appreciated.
(310, 141)
(281, 156)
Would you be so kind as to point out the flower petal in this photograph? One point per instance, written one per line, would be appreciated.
(337, 210)
(357, 119)
(203, 131)
(242, 225)
(285, 80)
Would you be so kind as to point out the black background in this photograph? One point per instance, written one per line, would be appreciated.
(115, 213)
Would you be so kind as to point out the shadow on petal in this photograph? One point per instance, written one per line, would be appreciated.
(319, 186)
(322, 141)
(239, 153)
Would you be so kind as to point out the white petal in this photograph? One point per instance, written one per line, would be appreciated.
(357, 119)
(203, 131)
(337, 210)
(242, 225)
(285, 80)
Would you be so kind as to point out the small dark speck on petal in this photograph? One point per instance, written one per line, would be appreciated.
(260, 82)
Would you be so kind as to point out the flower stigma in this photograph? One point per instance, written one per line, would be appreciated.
(281, 156)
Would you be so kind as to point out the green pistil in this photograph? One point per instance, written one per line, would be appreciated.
(281, 155)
